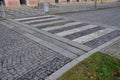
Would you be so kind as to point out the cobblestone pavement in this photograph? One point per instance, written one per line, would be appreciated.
(113, 49)
(33, 48)
(23, 12)
(80, 32)
(24, 59)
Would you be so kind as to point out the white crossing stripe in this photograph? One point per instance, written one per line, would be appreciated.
(68, 32)
(39, 20)
(20, 19)
(48, 23)
(58, 27)
(93, 35)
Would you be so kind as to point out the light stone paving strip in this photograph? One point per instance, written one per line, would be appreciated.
(36, 18)
(67, 28)
(68, 32)
(53, 47)
(45, 21)
(93, 35)
(20, 19)
(48, 23)
(65, 25)
(40, 20)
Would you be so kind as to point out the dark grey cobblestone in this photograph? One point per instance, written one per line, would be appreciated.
(32, 23)
(10, 39)
(46, 69)
(20, 61)
(56, 24)
(103, 39)
(83, 33)
(67, 28)
(19, 54)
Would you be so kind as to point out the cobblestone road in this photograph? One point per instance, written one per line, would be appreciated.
(24, 59)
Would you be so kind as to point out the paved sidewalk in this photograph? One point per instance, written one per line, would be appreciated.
(22, 58)
(113, 49)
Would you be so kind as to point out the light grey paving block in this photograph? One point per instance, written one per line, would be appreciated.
(48, 23)
(58, 27)
(93, 35)
(33, 37)
(58, 49)
(39, 20)
(68, 32)
(32, 17)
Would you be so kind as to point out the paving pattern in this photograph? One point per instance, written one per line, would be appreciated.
(113, 49)
(23, 12)
(82, 33)
(24, 59)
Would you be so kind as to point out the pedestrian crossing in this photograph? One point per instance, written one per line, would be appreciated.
(82, 33)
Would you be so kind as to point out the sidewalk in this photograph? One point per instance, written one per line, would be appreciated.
(113, 49)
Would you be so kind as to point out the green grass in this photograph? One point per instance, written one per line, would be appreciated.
(96, 67)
